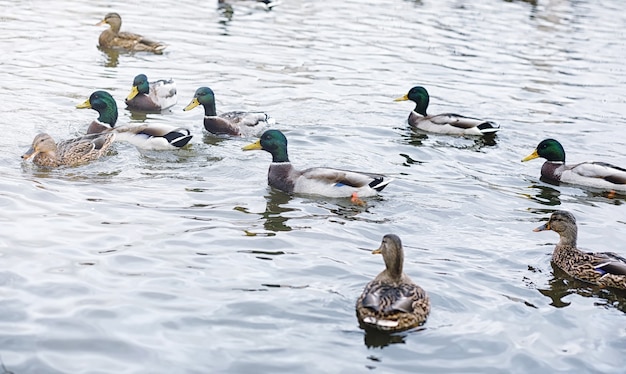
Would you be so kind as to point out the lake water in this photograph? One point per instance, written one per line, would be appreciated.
(187, 262)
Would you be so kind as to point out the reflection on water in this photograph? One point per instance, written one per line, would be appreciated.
(420, 138)
(113, 56)
(228, 8)
(545, 195)
(563, 285)
(275, 221)
(379, 339)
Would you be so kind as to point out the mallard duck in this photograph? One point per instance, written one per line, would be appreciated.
(231, 123)
(151, 96)
(145, 136)
(320, 180)
(590, 174)
(113, 38)
(602, 268)
(446, 123)
(46, 152)
(392, 302)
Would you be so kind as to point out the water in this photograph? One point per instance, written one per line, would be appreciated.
(186, 262)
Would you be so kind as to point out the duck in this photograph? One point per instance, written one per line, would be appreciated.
(322, 181)
(113, 38)
(445, 123)
(47, 153)
(392, 302)
(589, 174)
(144, 136)
(230, 123)
(151, 96)
(605, 269)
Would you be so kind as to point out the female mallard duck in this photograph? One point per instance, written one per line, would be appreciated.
(230, 123)
(151, 96)
(319, 181)
(446, 123)
(46, 152)
(602, 268)
(145, 136)
(392, 302)
(113, 38)
(590, 174)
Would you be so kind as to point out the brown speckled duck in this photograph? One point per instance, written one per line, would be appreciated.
(46, 152)
(392, 302)
(601, 268)
(113, 38)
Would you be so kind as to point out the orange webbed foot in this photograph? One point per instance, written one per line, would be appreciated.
(356, 200)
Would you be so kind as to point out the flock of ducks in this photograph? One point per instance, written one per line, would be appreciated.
(392, 301)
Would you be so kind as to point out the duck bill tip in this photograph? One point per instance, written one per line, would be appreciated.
(531, 156)
(254, 146)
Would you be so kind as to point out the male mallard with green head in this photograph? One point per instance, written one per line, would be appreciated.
(151, 96)
(319, 180)
(590, 174)
(113, 38)
(392, 302)
(602, 268)
(446, 123)
(145, 136)
(229, 123)
(46, 152)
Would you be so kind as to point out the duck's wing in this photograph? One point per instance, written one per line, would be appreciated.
(136, 42)
(84, 148)
(154, 136)
(388, 299)
(603, 170)
(463, 122)
(609, 263)
(346, 177)
(241, 118)
(164, 90)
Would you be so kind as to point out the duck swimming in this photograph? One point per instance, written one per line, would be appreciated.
(46, 152)
(318, 180)
(151, 96)
(601, 268)
(392, 302)
(144, 136)
(229, 123)
(113, 38)
(590, 174)
(446, 123)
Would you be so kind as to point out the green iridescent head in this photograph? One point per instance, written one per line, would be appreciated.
(104, 104)
(549, 149)
(204, 96)
(274, 142)
(419, 96)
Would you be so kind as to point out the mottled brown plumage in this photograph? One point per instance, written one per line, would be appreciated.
(602, 268)
(392, 302)
(46, 152)
(113, 38)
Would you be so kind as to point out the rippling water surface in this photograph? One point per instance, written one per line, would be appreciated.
(186, 262)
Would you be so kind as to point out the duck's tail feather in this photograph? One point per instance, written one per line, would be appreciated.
(379, 183)
(179, 137)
